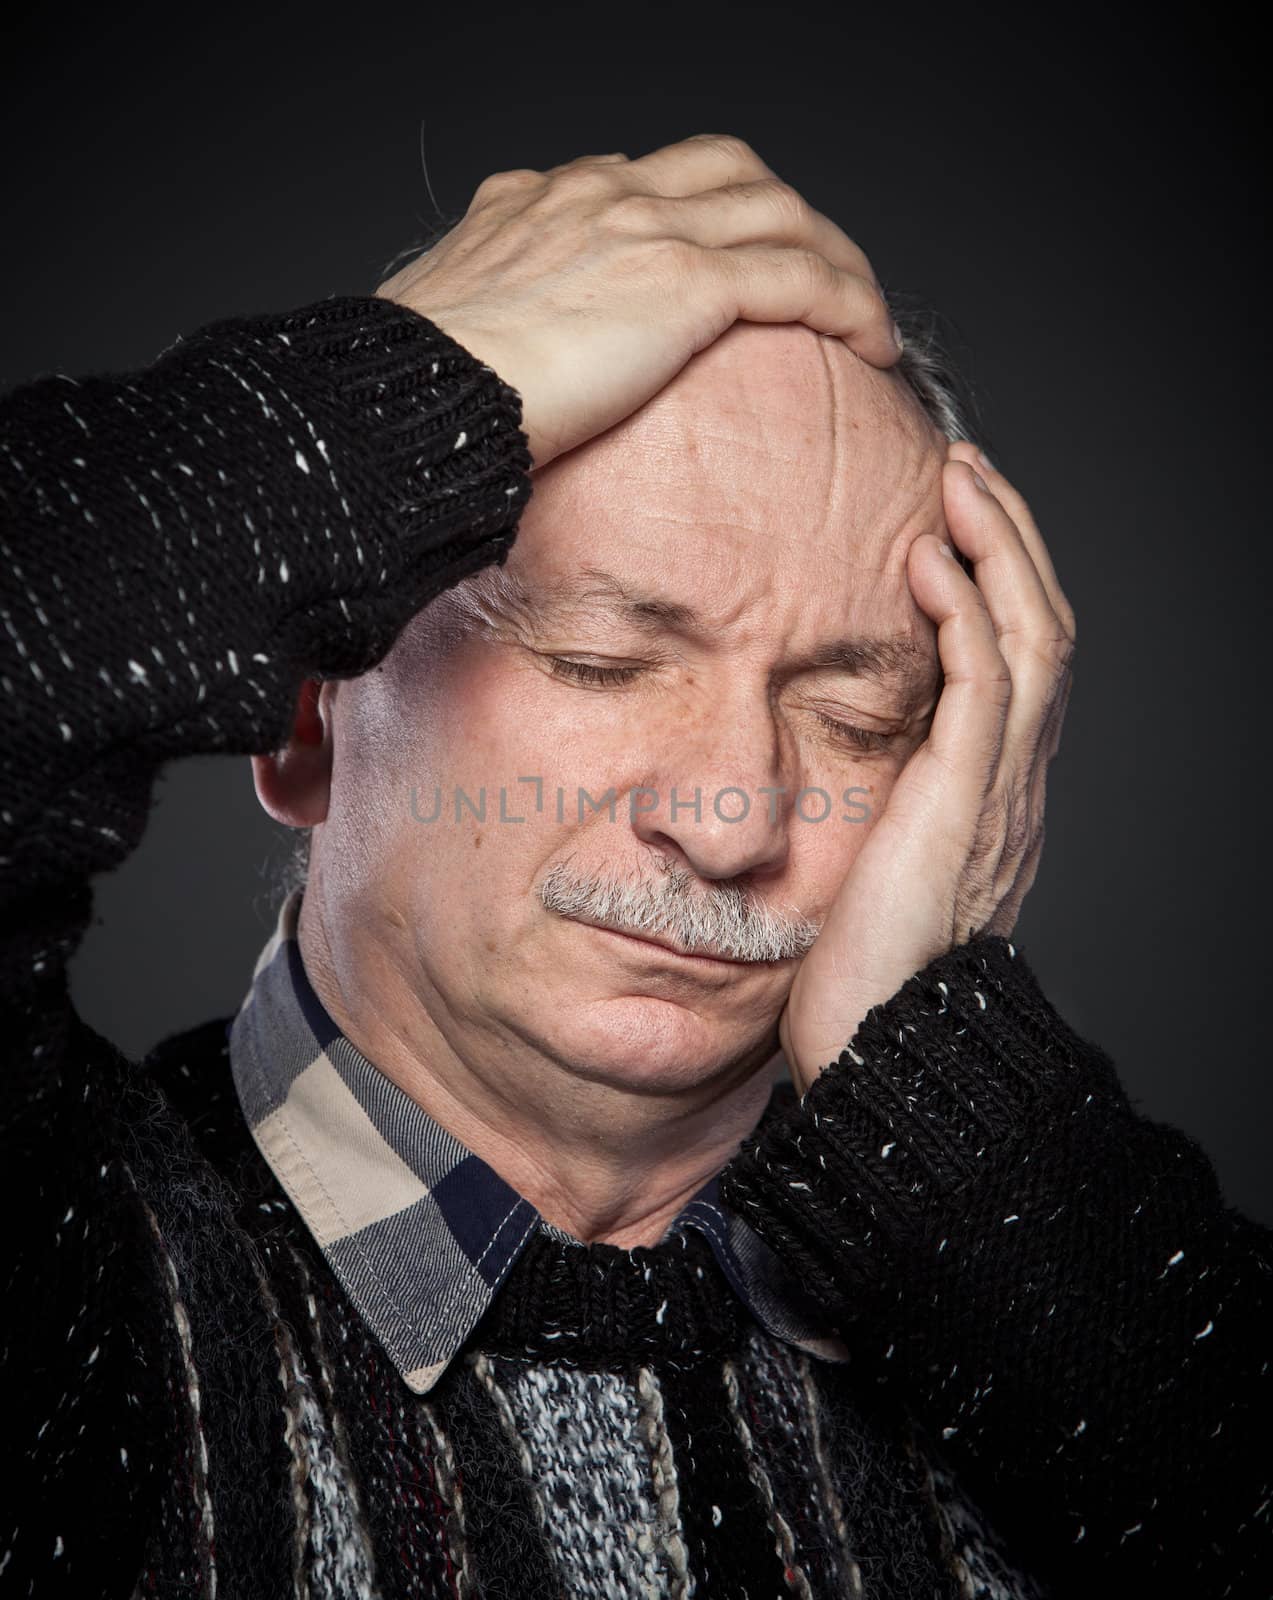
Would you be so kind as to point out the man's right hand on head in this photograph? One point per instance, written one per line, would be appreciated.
(588, 287)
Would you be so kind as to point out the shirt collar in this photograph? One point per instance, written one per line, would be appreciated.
(419, 1230)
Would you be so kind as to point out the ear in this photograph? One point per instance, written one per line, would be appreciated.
(294, 784)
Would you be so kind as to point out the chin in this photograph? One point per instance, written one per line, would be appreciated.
(644, 1044)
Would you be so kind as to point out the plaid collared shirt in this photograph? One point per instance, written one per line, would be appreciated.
(419, 1230)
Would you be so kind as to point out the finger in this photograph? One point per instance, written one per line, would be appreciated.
(1017, 508)
(719, 161)
(1052, 733)
(965, 737)
(772, 283)
(763, 211)
(1029, 632)
(1025, 796)
(703, 161)
(1006, 913)
(594, 161)
(1003, 568)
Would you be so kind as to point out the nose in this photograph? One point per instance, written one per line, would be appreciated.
(716, 801)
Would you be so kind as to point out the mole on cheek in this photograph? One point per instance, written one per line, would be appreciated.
(477, 841)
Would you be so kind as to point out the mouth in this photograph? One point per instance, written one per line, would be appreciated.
(662, 946)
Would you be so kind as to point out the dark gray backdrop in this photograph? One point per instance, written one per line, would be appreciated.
(1077, 198)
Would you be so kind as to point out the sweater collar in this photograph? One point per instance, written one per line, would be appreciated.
(420, 1231)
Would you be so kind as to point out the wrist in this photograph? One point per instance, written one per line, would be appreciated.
(814, 1042)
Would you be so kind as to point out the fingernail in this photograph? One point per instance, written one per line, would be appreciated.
(981, 482)
(985, 461)
(897, 337)
(946, 551)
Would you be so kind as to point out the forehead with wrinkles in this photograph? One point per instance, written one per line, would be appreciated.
(774, 486)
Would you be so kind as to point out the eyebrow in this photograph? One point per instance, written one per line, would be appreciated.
(897, 659)
(653, 613)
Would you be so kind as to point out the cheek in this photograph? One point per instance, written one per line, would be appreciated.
(461, 718)
(824, 850)
(488, 759)
(511, 724)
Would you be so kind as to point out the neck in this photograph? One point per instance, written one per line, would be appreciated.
(601, 1161)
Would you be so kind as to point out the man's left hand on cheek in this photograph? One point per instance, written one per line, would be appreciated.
(956, 848)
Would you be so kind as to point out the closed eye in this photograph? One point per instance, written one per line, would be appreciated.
(860, 738)
(864, 739)
(588, 672)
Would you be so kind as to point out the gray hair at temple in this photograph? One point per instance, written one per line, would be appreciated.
(926, 365)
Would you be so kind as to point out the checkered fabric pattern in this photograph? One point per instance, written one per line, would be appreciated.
(419, 1230)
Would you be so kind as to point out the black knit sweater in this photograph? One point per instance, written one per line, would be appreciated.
(1053, 1316)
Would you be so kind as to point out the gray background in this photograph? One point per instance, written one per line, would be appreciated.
(1077, 199)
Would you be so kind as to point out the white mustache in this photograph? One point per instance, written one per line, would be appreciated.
(717, 921)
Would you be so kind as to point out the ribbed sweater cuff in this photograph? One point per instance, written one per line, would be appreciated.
(946, 1085)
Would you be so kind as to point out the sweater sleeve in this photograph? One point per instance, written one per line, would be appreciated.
(273, 499)
(1047, 1280)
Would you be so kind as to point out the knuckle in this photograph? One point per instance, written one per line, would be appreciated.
(815, 266)
(582, 178)
(674, 258)
(675, 251)
(636, 211)
(499, 184)
(1016, 829)
(1061, 652)
(788, 204)
(728, 144)
(996, 681)
(684, 256)
(987, 843)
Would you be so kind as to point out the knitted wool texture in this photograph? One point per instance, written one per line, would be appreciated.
(618, 1425)
(1053, 1315)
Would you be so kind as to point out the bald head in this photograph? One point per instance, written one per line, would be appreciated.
(789, 419)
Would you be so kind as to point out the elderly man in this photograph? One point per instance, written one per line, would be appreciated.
(482, 1253)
